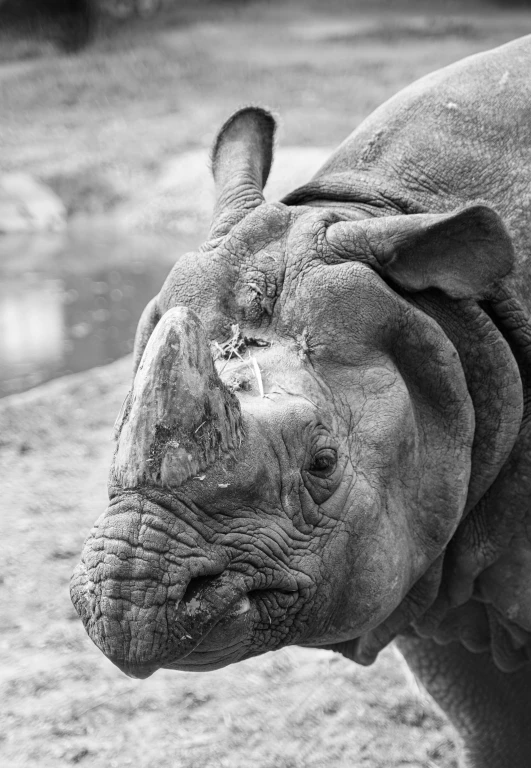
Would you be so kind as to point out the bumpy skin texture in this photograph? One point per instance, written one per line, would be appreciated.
(357, 464)
(487, 706)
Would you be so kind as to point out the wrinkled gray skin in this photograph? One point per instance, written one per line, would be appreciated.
(365, 473)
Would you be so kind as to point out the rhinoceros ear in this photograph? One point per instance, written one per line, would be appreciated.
(463, 254)
(241, 161)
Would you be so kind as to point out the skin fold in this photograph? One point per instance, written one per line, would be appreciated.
(327, 440)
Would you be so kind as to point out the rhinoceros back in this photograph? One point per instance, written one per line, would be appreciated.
(459, 135)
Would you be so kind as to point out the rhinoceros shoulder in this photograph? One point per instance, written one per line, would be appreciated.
(459, 136)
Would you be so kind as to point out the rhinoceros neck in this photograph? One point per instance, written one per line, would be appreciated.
(358, 193)
(494, 382)
(494, 530)
(507, 503)
(494, 372)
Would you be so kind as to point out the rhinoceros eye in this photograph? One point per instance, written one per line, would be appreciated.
(323, 463)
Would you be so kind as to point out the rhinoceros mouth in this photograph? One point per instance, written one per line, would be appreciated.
(217, 622)
(216, 614)
(235, 633)
(206, 602)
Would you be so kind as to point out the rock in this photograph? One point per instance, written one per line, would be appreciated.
(27, 205)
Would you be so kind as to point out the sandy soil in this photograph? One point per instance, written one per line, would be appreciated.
(63, 703)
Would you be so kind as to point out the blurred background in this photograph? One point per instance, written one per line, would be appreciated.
(107, 112)
(108, 108)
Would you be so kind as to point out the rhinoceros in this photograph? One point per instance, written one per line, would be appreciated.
(327, 441)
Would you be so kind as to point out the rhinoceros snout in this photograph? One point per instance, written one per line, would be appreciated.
(150, 598)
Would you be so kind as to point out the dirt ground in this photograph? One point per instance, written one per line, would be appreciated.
(100, 127)
(63, 703)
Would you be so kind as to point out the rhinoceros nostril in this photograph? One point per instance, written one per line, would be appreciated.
(198, 585)
(208, 600)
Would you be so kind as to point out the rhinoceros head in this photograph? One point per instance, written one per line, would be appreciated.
(295, 451)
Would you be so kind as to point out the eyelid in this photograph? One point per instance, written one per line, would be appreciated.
(325, 448)
(322, 473)
(321, 438)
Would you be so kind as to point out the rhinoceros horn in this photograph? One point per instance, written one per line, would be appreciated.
(178, 417)
(241, 161)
